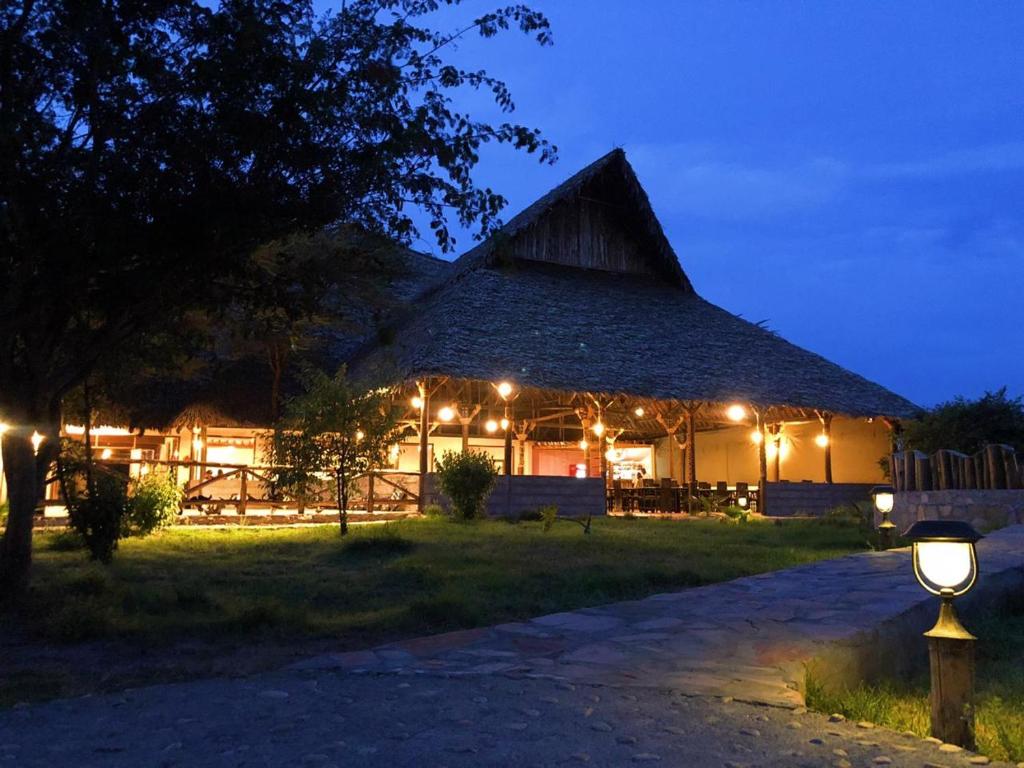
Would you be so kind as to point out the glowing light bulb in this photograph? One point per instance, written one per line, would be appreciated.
(491, 426)
(944, 563)
(416, 402)
(447, 413)
(504, 389)
(360, 435)
(756, 437)
(639, 411)
(583, 445)
(37, 440)
(3, 428)
(504, 423)
(106, 454)
(736, 412)
(821, 440)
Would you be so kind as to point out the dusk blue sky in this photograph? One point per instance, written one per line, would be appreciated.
(851, 173)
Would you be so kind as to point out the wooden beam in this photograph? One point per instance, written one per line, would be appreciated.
(762, 463)
(826, 430)
(424, 443)
(691, 455)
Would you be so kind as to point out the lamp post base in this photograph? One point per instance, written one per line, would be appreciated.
(951, 656)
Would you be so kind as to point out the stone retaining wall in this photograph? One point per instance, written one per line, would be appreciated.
(986, 510)
(516, 494)
(789, 499)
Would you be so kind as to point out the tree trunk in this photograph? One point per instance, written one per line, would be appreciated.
(23, 491)
(342, 502)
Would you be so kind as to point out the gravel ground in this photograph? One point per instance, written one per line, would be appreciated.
(336, 719)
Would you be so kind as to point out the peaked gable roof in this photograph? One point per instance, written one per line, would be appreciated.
(575, 223)
(557, 326)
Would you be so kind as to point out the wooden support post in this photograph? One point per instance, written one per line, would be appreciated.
(508, 440)
(424, 443)
(826, 430)
(465, 435)
(762, 464)
(776, 434)
(691, 456)
(243, 491)
(369, 492)
(952, 694)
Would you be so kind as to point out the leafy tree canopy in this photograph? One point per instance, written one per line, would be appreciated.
(149, 147)
(968, 425)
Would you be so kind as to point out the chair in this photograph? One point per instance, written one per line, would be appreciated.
(668, 500)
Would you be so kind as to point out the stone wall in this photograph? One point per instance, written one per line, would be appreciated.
(986, 510)
(516, 494)
(815, 499)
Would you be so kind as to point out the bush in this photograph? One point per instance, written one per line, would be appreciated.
(434, 510)
(65, 541)
(736, 514)
(99, 516)
(467, 479)
(386, 540)
(154, 502)
(5, 509)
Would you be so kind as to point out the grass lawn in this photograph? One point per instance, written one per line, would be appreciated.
(999, 721)
(298, 586)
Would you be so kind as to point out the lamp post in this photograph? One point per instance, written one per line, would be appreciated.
(946, 564)
(883, 499)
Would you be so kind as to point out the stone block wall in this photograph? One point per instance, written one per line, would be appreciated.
(515, 494)
(985, 510)
(814, 499)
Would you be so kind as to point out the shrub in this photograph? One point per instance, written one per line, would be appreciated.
(5, 508)
(386, 540)
(736, 514)
(434, 510)
(98, 517)
(467, 479)
(65, 541)
(153, 503)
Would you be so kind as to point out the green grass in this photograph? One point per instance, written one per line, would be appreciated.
(385, 582)
(903, 706)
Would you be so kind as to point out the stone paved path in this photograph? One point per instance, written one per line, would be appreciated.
(749, 638)
(664, 681)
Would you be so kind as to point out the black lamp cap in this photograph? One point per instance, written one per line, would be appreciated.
(881, 489)
(941, 530)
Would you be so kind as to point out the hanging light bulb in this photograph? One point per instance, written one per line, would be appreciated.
(504, 389)
(639, 411)
(416, 402)
(821, 440)
(736, 412)
(107, 453)
(504, 423)
(37, 440)
(598, 428)
(491, 426)
(447, 413)
(756, 437)
(360, 435)
(583, 444)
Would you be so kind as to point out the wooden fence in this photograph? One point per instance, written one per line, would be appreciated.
(995, 467)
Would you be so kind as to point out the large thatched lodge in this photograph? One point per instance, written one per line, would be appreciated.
(573, 348)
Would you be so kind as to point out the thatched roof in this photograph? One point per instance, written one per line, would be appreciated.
(552, 326)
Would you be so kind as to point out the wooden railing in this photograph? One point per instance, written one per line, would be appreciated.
(995, 467)
(237, 486)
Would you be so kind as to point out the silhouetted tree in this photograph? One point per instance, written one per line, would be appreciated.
(969, 425)
(148, 147)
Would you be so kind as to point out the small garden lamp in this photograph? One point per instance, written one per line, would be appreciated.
(946, 564)
(883, 499)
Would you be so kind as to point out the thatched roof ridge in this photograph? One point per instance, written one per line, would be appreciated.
(613, 164)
